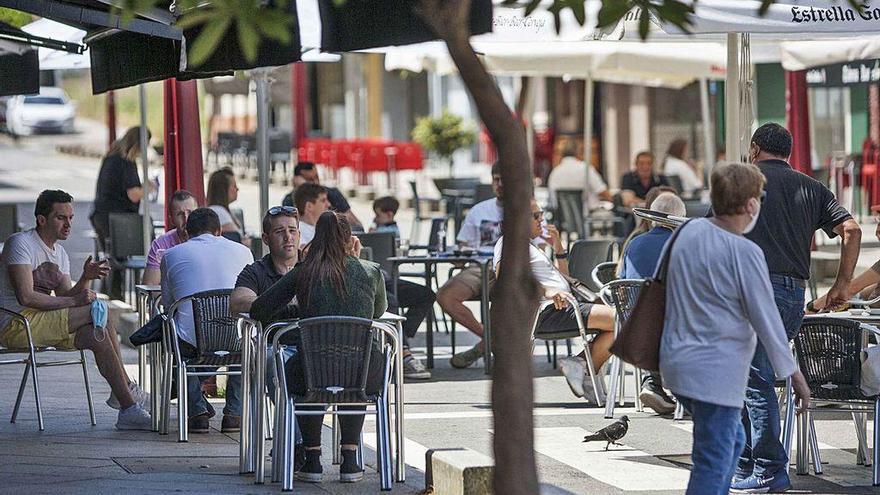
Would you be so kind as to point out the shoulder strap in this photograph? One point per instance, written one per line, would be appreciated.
(664, 262)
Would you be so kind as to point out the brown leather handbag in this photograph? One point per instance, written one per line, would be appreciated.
(638, 341)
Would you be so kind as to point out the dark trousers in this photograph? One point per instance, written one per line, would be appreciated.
(418, 300)
(350, 426)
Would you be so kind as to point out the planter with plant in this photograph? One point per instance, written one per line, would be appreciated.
(444, 135)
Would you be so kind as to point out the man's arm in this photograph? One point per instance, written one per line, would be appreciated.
(851, 238)
(23, 284)
(91, 271)
(241, 299)
(152, 276)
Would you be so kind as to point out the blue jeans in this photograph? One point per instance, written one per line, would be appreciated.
(718, 440)
(197, 404)
(764, 454)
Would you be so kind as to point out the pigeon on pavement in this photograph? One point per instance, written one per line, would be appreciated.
(611, 433)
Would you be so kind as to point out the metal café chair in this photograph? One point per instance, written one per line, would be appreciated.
(585, 255)
(31, 365)
(622, 296)
(336, 353)
(126, 250)
(583, 332)
(218, 344)
(828, 352)
(604, 273)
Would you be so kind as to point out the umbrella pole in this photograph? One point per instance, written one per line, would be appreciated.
(732, 99)
(145, 168)
(708, 128)
(261, 78)
(588, 125)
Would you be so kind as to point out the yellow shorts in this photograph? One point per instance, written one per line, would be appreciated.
(48, 329)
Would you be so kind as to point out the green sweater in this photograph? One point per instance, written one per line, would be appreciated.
(364, 297)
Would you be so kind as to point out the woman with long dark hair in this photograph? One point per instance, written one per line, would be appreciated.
(222, 191)
(676, 163)
(331, 281)
(118, 190)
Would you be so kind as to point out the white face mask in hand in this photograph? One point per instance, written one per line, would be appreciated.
(754, 220)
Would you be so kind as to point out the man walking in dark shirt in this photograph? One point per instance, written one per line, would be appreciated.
(795, 207)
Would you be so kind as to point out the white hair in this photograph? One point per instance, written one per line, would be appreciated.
(670, 204)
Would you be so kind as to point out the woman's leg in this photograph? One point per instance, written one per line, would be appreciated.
(718, 438)
(310, 427)
(350, 427)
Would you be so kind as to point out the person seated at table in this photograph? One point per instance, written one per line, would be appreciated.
(311, 201)
(331, 281)
(572, 173)
(635, 184)
(35, 282)
(418, 301)
(676, 164)
(207, 261)
(182, 204)
(385, 209)
(561, 316)
(307, 173)
(222, 191)
(639, 261)
(480, 230)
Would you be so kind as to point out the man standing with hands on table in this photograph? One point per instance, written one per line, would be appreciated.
(795, 207)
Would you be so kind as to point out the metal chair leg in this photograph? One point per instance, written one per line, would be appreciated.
(167, 378)
(549, 354)
(861, 436)
(876, 455)
(37, 390)
(287, 445)
(814, 446)
(182, 413)
(383, 450)
(337, 437)
(622, 385)
(803, 443)
(82, 356)
(612, 389)
(789, 423)
(679, 412)
(638, 400)
(27, 370)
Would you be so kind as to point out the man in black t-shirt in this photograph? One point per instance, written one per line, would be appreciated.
(305, 172)
(635, 184)
(795, 207)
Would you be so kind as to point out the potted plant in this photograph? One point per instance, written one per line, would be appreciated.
(444, 135)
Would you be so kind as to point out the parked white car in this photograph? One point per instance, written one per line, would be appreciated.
(49, 111)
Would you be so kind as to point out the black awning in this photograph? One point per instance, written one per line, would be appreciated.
(19, 73)
(361, 24)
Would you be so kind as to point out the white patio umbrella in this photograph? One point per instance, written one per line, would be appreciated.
(802, 55)
(57, 59)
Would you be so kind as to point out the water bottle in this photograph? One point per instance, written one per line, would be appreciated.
(441, 238)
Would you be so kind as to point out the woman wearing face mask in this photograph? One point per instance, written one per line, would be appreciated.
(719, 304)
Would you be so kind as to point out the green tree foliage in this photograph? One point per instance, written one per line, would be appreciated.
(14, 18)
(443, 135)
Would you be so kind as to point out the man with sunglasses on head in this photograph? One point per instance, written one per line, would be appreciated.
(794, 207)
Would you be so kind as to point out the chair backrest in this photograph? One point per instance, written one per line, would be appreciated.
(675, 182)
(417, 200)
(383, 246)
(622, 295)
(460, 183)
(604, 273)
(8, 221)
(696, 208)
(828, 351)
(570, 207)
(336, 353)
(216, 330)
(437, 224)
(483, 192)
(126, 235)
(585, 255)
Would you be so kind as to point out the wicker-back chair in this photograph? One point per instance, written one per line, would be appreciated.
(622, 296)
(604, 273)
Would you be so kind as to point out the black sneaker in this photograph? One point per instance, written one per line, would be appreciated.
(299, 457)
(655, 397)
(311, 470)
(350, 471)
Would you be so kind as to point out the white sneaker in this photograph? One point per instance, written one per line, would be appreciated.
(134, 418)
(414, 369)
(573, 369)
(137, 393)
(589, 394)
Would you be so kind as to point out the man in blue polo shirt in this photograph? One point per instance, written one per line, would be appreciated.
(640, 261)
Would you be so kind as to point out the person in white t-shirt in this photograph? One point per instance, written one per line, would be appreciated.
(310, 200)
(676, 164)
(572, 173)
(222, 191)
(35, 282)
(561, 317)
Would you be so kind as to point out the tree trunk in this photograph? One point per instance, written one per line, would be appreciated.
(515, 297)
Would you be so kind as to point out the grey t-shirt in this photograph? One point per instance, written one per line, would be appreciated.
(719, 301)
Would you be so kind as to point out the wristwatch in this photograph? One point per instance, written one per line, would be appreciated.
(562, 255)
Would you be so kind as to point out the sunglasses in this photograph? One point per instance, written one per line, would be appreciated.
(538, 215)
(288, 211)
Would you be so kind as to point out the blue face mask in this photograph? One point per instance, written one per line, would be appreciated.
(100, 313)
